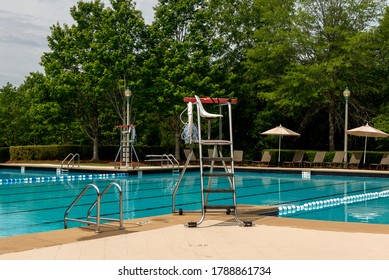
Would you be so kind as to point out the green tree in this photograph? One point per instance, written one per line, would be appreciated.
(268, 62)
(302, 65)
(234, 23)
(125, 37)
(42, 114)
(184, 58)
(75, 70)
(30, 116)
(10, 113)
(91, 61)
(378, 57)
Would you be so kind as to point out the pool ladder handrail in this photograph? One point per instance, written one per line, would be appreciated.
(165, 160)
(173, 161)
(71, 160)
(98, 210)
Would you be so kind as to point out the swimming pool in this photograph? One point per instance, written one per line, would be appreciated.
(36, 202)
(32, 200)
(321, 197)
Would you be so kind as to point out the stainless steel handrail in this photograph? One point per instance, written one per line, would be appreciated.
(73, 156)
(72, 160)
(97, 223)
(120, 220)
(176, 161)
(164, 159)
(97, 204)
(171, 158)
(179, 182)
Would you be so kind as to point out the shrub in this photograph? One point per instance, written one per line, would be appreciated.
(47, 152)
(57, 152)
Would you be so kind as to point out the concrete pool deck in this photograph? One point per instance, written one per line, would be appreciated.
(217, 238)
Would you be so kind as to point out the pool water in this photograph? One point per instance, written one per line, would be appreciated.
(15, 174)
(35, 201)
(35, 204)
(318, 197)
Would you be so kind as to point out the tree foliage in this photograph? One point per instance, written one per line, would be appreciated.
(186, 59)
(286, 61)
(91, 61)
(303, 59)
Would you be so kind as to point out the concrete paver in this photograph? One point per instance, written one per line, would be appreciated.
(214, 240)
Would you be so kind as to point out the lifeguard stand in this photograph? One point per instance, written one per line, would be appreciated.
(206, 175)
(127, 150)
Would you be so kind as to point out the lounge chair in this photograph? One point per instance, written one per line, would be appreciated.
(296, 161)
(210, 155)
(354, 160)
(318, 160)
(193, 158)
(337, 161)
(265, 160)
(384, 163)
(238, 157)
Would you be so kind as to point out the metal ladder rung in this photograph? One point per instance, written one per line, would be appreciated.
(215, 142)
(218, 174)
(219, 190)
(228, 159)
(219, 207)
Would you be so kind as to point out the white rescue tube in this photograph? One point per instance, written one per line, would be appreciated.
(133, 135)
(190, 121)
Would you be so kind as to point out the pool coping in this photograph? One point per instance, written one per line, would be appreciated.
(248, 168)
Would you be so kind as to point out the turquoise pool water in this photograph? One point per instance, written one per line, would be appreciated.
(36, 201)
(333, 198)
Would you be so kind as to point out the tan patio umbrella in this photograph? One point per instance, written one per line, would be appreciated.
(366, 131)
(280, 131)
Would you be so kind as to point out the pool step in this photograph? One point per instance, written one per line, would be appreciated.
(219, 190)
(218, 175)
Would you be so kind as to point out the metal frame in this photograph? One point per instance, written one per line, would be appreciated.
(98, 209)
(127, 143)
(73, 156)
(217, 156)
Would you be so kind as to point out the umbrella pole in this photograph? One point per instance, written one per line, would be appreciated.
(279, 149)
(364, 154)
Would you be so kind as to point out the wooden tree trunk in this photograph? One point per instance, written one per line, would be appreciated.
(95, 149)
(331, 123)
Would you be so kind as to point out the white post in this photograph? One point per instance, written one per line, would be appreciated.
(346, 94)
(128, 131)
(128, 93)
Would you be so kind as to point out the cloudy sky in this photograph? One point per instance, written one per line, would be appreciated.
(24, 27)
